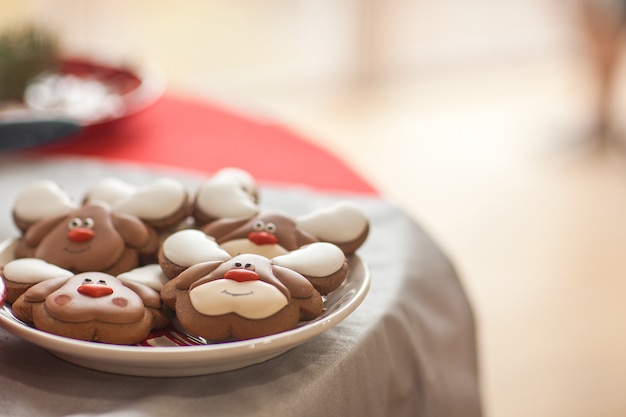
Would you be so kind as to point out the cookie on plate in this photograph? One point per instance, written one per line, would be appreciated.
(271, 233)
(322, 263)
(242, 298)
(92, 306)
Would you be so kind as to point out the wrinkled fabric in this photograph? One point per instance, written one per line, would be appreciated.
(408, 350)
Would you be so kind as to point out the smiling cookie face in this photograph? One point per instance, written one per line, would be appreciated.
(92, 306)
(244, 297)
(90, 238)
(92, 296)
(86, 240)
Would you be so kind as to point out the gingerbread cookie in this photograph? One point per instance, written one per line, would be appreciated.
(244, 297)
(92, 306)
(77, 238)
(272, 234)
(322, 263)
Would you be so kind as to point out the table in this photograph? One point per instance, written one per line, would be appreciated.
(408, 350)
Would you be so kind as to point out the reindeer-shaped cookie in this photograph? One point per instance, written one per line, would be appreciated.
(106, 235)
(243, 297)
(92, 306)
(321, 263)
(240, 226)
(226, 208)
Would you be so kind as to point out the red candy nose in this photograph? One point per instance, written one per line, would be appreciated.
(80, 234)
(95, 291)
(241, 275)
(262, 238)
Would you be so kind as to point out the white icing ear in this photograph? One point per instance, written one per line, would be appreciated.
(190, 246)
(157, 200)
(33, 270)
(342, 222)
(150, 275)
(7, 251)
(319, 259)
(42, 199)
(229, 193)
(110, 190)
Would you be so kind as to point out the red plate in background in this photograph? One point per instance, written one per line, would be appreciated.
(83, 89)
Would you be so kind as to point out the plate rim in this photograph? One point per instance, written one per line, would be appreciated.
(240, 353)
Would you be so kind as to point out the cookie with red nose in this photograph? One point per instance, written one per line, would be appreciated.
(273, 234)
(322, 263)
(243, 297)
(266, 234)
(87, 238)
(92, 306)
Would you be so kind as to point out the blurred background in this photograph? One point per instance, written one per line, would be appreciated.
(479, 117)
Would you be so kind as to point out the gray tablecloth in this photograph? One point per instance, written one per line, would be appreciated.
(407, 350)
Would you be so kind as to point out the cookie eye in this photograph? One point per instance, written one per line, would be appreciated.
(258, 225)
(89, 222)
(270, 227)
(102, 282)
(75, 222)
(87, 281)
(249, 266)
(238, 265)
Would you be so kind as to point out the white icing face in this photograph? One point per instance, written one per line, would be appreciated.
(150, 275)
(249, 299)
(33, 270)
(69, 303)
(319, 259)
(189, 247)
(238, 246)
(229, 193)
(42, 199)
(151, 202)
(340, 223)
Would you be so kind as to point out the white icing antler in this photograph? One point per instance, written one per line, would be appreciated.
(342, 222)
(231, 192)
(33, 270)
(189, 247)
(42, 199)
(318, 259)
(150, 275)
(154, 201)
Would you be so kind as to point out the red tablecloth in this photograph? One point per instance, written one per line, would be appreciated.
(199, 135)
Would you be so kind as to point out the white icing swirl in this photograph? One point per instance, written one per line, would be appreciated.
(190, 246)
(319, 259)
(250, 299)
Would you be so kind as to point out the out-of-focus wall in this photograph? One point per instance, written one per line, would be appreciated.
(295, 42)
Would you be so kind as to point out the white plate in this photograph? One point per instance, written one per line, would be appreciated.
(201, 359)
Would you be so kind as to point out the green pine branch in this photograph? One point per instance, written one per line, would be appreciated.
(25, 52)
